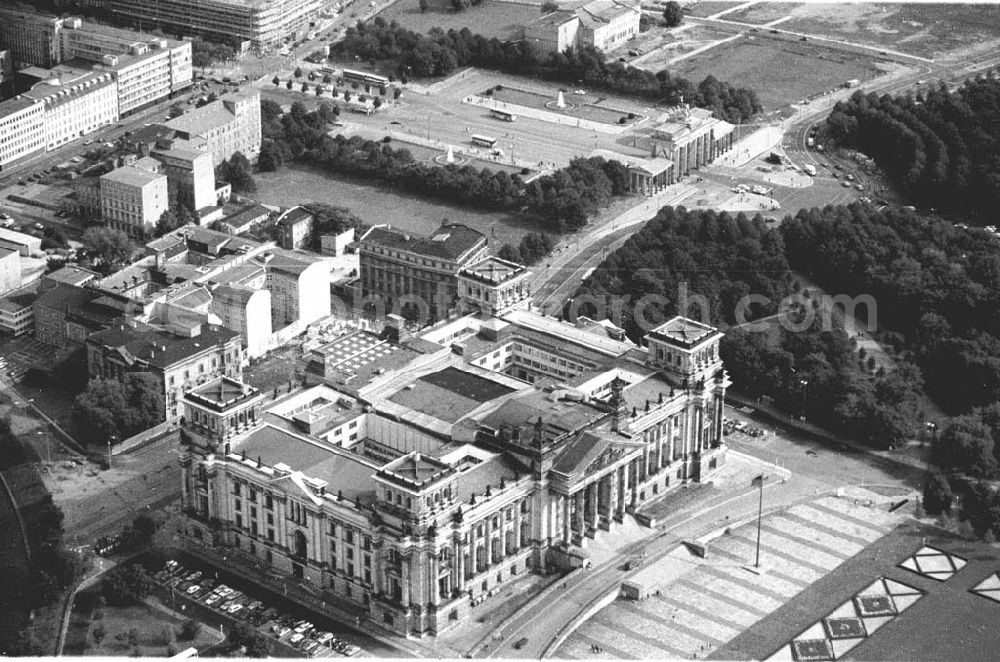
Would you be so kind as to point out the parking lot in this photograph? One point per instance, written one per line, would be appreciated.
(292, 632)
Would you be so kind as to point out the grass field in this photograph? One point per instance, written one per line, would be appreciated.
(704, 9)
(502, 20)
(380, 204)
(921, 29)
(762, 12)
(781, 72)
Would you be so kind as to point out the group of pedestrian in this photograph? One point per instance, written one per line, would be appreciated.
(594, 648)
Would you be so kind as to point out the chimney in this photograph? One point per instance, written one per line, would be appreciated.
(620, 421)
(395, 328)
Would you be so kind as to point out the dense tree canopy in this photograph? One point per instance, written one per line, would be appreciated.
(108, 248)
(720, 259)
(936, 284)
(439, 53)
(112, 408)
(939, 146)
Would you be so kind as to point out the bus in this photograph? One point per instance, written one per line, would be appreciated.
(484, 141)
(503, 115)
(352, 76)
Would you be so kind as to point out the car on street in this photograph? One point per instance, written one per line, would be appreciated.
(520, 643)
(845, 184)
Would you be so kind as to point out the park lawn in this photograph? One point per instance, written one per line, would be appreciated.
(502, 20)
(781, 72)
(150, 623)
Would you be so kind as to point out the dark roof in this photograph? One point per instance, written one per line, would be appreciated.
(577, 456)
(450, 241)
(247, 214)
(66, 297)
(295, 215)
(466, 384)
(160, 348)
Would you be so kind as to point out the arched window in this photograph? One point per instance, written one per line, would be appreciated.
(301, 546)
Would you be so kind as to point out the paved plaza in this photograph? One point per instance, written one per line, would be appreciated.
(696, 610)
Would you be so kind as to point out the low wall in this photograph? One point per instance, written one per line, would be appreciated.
(548, 116)
(595, 606)
(146, 436)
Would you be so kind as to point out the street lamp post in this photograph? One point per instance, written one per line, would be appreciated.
(48, 449)
(805, 383)
(759, 482)
(112, 437)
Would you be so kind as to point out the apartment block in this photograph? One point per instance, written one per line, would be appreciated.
(77, 106)
(228, 125)
(22, 130)
(30, 38)
(133, 199)
(262, 22)
(299, 286)
(190, 177)
(247, 311)
(10, 270)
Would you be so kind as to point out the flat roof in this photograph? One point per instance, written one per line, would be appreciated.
(567, 332)
(493, 270)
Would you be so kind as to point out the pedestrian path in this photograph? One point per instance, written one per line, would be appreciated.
(720, 597)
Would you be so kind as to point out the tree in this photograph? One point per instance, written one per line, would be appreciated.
(133, 636)
(185, 217)
(396, 93)
(112, 408)
(289, 84)
(276, 81)
(271, 157)
(190, 629)
(672, 14)
(237, 171)
(167, 223)
(937, 493)
(259, 646)
(98, 634)
(128, 583)
(176, 110)
(298, 72)
(108, 248)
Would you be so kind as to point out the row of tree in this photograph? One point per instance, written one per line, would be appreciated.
(439, 53)
(560, 202)
(940, 146)
(936, 286)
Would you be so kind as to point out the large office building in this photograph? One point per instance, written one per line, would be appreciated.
(76, 105)
(420, 274)
(22, 130)
(262, 22)
(422, 474)
(30, 38)
(228, 125)
(133, 199)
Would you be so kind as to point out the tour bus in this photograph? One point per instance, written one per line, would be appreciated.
(484, 141)
(503, 115)
(352, 76)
